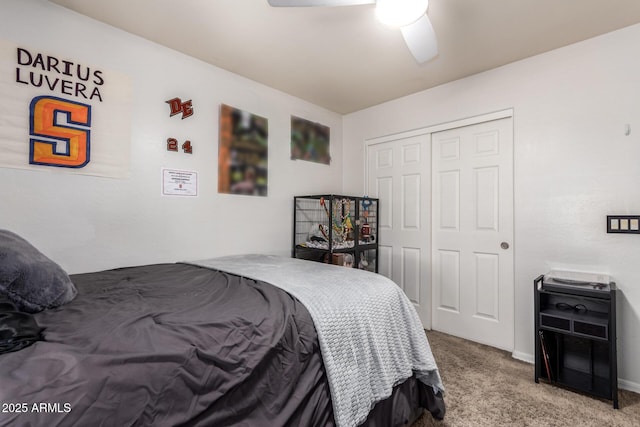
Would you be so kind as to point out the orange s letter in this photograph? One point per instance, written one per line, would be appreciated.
(57, 120)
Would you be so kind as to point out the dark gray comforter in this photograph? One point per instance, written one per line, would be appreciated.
(172, 345)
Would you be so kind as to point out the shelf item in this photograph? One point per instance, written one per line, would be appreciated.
(336, 229)
(575, 330)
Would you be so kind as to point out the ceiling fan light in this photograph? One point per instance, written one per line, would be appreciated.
(398, 13)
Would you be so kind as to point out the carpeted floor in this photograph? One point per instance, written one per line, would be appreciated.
(487, 387)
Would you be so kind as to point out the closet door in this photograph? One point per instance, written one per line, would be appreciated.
(472, 251)
(398, 173)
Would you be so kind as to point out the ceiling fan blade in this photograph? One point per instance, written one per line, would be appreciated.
(421, 39)
(309, 3)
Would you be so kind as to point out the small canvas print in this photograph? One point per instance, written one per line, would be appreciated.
(309, 141)
(242, 153)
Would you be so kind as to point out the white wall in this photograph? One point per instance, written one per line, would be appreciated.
(90, 223)
(573, 165)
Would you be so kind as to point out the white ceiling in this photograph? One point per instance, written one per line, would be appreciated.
(342, 58)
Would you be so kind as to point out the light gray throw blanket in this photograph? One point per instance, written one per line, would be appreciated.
(370, 335)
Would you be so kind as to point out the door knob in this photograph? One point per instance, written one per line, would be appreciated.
(504, 245)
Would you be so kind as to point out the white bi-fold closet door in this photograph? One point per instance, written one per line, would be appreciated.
(472, 233)
(446, 234)
(398, 174)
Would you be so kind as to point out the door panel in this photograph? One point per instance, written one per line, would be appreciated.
(411, 273)
(385, 259)
(411, 202)
(384, 190)
(449, 200)
(449, 280)
(486, 195)
(487, 274)
(399, 174)
(472, 215)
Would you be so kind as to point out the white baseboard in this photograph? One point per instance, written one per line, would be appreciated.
(623, 384)
(629, 385)
(525, 357)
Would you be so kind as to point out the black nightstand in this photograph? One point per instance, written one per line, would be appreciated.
(575, 336)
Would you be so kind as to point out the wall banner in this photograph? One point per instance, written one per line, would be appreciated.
(58, 113)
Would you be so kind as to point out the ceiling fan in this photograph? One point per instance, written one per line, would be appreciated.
(409, 15)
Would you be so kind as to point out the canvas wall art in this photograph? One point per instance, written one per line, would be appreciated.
(309, 141)
(242, 153)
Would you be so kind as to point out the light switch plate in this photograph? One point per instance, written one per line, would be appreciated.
(629, 224)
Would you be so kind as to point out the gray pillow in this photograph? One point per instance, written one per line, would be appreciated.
(28, 278)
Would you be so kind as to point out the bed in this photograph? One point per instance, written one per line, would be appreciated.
(213, 343)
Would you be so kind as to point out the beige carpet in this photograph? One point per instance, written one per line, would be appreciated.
(487, 387)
